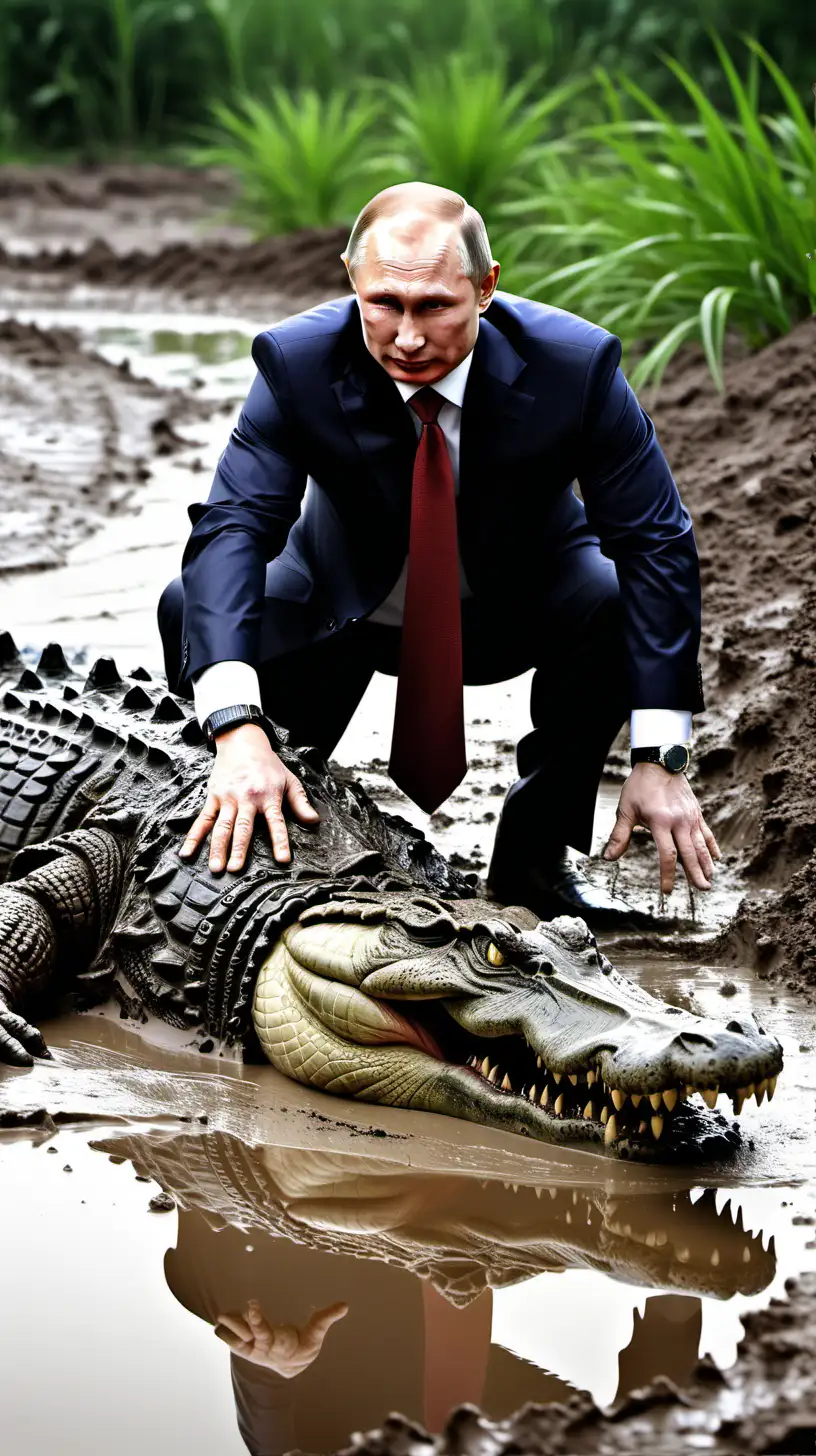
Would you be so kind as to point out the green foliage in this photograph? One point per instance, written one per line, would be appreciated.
(465, 127)
(665, 232)
(97, 75)
(303, 162)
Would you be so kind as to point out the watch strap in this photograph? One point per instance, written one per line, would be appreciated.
(674, 757)
(223, 720)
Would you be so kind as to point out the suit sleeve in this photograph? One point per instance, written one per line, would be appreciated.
(633, 506)
(254, 501)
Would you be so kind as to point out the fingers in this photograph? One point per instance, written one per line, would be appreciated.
(299, 802)
(620, 837)
(230, 1338)
(237, 1324)
(20, 1042)
(321, 1321)
(704, 859)
(273, 813)
(713, 847)
(201, 827)
(667, 855)
(221, 836)
(689, 858)
(241, 835)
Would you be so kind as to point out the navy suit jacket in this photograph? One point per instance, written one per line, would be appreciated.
(545, 405)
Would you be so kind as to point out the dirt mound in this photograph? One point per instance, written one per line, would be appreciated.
(76, 435)
(746, 466)
(772, 1386)
(302, 266)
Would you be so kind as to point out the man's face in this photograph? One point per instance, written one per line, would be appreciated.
(420, 312)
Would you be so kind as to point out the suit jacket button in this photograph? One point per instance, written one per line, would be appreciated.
(331, 624)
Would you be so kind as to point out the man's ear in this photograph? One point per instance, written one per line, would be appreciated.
(344, 258)
(488, 286)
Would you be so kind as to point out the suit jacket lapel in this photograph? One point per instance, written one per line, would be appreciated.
(495, 410)
(381, 426)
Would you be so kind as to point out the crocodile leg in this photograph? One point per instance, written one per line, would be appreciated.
(53, 919)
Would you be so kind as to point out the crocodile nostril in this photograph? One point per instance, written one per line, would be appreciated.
(692, 1039)
(737, 1026)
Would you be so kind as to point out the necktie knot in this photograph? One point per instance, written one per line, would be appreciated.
(427, 403)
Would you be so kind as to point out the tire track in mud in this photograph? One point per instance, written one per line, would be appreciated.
(76, 438)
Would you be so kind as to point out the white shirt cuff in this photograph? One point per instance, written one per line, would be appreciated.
(652, 727)
(223, 685)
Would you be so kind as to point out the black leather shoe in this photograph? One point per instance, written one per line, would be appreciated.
(557, 887)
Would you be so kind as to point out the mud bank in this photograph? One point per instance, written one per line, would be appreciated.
(766, 1404)
(77, 438)
(746, 466)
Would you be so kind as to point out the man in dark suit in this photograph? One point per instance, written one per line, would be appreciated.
(398, 495)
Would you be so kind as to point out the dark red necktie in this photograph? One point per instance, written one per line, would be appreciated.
(428, 746)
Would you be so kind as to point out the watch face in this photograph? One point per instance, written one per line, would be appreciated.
(675, 758)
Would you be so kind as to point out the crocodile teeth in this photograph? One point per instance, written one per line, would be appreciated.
(737, 1099)
(746, 1256)
(670, 1099)
(538, 1062)
(493, 1075)
(715, 1258)
(485, 1067)
(710, 1096)
(761, 1088)
(591, 1078)
(559, 1105)
(618, 1099)
(636, 1099)
(611, 1130)
(588, 1110)
(545, 1097)
(657, 1128)
(771, 1087)
(507, 1085)
(573, 1077)
(642, 1128)
(604, 1115)
(682, 1255)
(557, 1077)
(655, 1098)
(533, 1093)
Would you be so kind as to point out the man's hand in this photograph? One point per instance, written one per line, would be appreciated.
(665, 804)
(248, 779)
(282, 1348)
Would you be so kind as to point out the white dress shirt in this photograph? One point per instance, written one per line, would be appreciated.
(226, 683)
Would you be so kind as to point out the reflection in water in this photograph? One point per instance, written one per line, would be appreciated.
(346, 1287)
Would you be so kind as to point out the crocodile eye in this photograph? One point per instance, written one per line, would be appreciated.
(494, 955)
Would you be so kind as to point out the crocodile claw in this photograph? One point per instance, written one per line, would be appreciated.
(20, 1042)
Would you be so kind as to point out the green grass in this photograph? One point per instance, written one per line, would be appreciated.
(103, 76)
(302, 161)
(668, 232)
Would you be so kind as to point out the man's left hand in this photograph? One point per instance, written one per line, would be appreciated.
(664, 803)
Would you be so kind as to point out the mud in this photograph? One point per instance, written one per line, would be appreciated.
(409, 1222)
(77, 438)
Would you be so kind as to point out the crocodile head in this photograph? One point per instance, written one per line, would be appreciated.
(483, 1013)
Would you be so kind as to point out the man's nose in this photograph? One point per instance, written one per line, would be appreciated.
(409, 337)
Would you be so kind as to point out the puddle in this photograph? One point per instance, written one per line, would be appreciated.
(473, 1266)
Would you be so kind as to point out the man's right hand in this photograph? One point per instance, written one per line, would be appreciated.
(248, 779)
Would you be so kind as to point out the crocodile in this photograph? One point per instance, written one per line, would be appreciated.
(368, 967)
(462, 1232)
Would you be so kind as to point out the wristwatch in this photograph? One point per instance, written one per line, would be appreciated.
(223, 720)
(675, 757)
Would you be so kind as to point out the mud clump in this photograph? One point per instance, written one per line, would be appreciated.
(773, 1385)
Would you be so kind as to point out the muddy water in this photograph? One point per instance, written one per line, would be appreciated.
(471, 1265)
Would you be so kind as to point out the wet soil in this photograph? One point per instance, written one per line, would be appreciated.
(88, 442)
